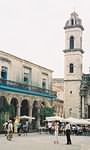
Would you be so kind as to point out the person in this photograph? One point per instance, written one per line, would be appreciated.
(49, 127)
(19, 128)
(10, 130)
(56, 129)
(25, 127)
(5, 125)
(68, 132)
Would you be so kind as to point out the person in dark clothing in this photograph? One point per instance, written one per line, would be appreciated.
(68, 132)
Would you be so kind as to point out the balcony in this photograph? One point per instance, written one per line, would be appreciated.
(11, 86)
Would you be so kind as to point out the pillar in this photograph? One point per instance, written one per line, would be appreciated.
(18, 109)
(83, 109)
(38, 115)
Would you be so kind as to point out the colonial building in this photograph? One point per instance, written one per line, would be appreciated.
(24, 85)
(76, 84)
(58, 104)
(85, 96)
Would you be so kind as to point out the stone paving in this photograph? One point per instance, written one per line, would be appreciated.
(36, 141)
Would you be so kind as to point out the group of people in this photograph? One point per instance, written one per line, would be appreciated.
(23, 127)
(55, 129)
(10, 127)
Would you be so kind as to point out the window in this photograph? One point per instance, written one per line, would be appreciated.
(70, 92)
(71, 42)
(27, 75)
(4, 72)
(71, 68)
(44, 83)
(72, 22)
(80, 42)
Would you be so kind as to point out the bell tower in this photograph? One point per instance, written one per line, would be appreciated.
(73, 65)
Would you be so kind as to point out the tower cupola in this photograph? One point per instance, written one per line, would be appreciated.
(73, 33)
(74, 21)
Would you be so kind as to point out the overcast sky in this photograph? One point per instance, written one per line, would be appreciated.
(33, 30)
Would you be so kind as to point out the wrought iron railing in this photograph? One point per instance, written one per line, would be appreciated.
(27, 87)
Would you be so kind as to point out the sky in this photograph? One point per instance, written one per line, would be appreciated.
(34, 30)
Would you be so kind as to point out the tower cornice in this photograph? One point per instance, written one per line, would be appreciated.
(73, 50)
(74, 26)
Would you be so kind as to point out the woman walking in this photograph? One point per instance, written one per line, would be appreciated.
(56, 128)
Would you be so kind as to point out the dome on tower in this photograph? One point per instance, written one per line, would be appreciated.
(74, 21)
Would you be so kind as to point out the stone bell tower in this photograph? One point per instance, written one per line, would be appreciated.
(73, 65)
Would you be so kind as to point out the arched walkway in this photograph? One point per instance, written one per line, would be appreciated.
(38, 114)
(4, 109)
(3, 104)
(14, 104)
(35, 114)
(24, 108)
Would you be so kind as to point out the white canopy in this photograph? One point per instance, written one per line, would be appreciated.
(77, 121)
(71, 120)
(55, 118)
(26, 117)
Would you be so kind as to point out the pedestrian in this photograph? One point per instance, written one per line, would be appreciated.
(56, 130)
(10, 130)
(5, 125)
(68, 132)
(49, 126)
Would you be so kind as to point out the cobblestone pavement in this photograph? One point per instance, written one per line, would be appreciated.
(36, 141)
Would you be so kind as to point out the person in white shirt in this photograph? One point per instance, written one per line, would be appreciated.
(68, 132)
(10, 126)
(10, 130)
(56, 130)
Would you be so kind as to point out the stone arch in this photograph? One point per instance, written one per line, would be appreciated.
(24, 107)
(35, 114)
(4, 109)
(35, 109)
(3, 103)
(14, 105)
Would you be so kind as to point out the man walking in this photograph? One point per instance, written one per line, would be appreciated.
(68, 132)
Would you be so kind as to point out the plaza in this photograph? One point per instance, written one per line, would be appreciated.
(36, 141)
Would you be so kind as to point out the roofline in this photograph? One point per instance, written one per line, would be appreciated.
(25, 60)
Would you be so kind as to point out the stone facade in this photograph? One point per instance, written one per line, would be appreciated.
(25, 85)
(85, 96)
(58, 104)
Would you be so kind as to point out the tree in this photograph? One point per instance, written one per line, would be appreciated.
(46, 112)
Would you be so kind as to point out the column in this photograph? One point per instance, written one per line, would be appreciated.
(18, 109)
(83, 110)
(38, 115)
(30, 110)
(19, 105)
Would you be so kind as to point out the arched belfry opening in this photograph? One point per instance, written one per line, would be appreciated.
(72, 42)
(72, 22)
